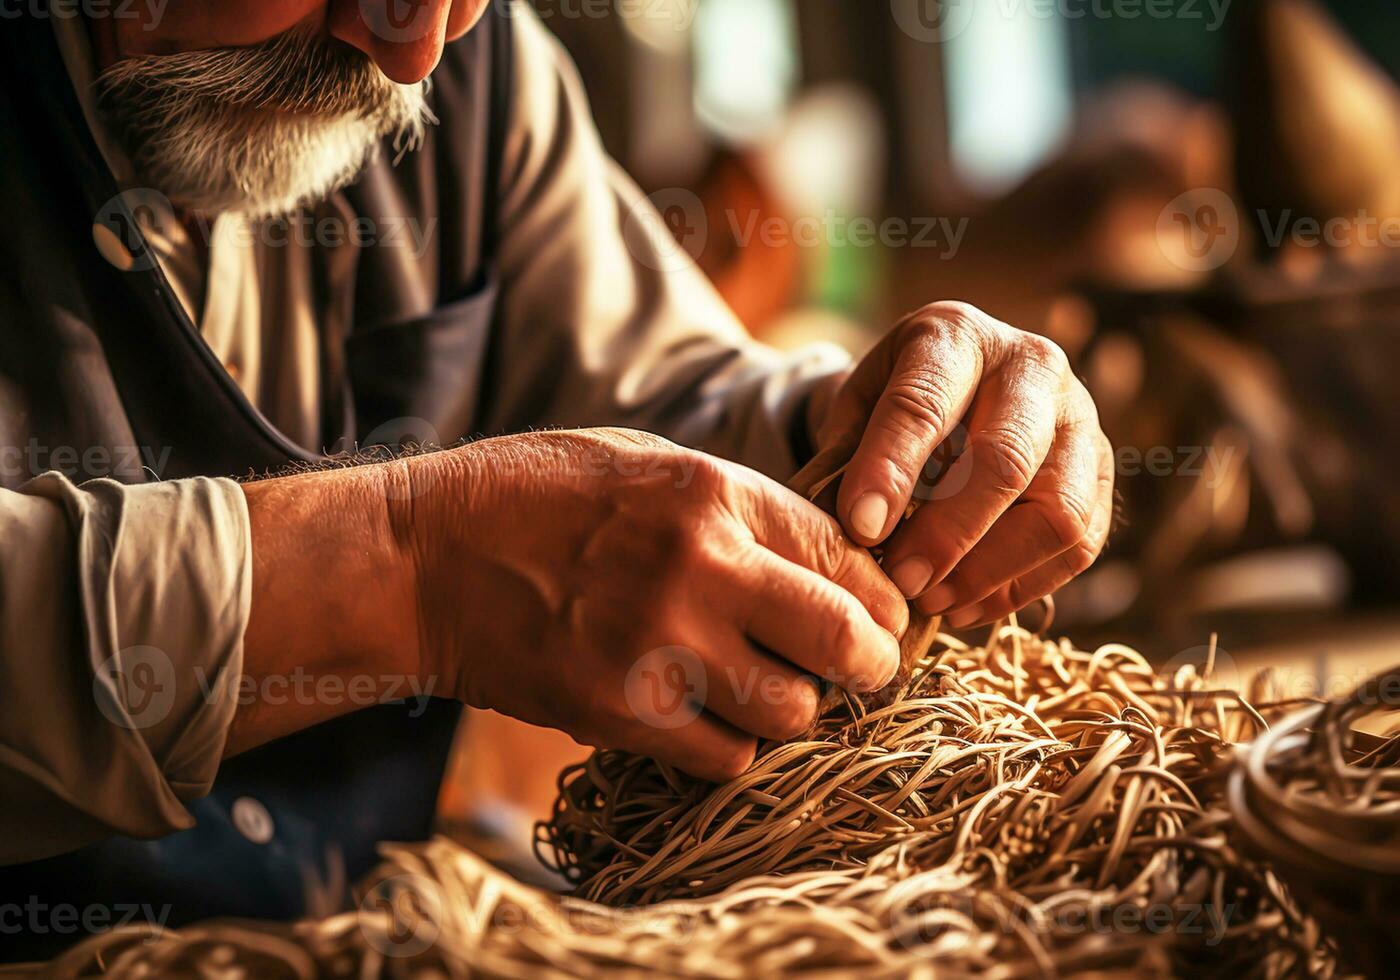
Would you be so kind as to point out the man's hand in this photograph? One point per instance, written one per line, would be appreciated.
(638, 595)
(986, 428)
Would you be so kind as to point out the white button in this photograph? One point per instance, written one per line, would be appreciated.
(111, 246)
(252, 820)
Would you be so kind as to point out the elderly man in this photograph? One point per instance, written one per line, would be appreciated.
(204, 681)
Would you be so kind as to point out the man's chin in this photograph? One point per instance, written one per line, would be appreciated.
(264, 168)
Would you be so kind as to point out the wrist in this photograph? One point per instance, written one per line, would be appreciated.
(331, 627)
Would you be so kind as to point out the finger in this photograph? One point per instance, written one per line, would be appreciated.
(1052, 516)
(706, 746)
(927, 392)
(802, 533)
(1050, 576)
(1011, 430)
(755, 692)
(813, 624)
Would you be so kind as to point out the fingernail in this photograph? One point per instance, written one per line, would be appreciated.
(865, 685)
(966, 617)
(940, 599)
(869, 514)
(911, 576)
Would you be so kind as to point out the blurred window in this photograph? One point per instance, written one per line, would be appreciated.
(1010, 95)
(746, 65)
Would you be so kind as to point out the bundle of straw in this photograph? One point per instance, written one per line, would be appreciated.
(1019, 809)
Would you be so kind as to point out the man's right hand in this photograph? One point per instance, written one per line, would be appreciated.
(636, 594)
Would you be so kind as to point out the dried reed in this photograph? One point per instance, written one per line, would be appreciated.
(1019, 809)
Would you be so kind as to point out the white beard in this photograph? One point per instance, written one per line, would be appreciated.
(259, 131)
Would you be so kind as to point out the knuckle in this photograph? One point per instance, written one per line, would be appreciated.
(1010, 453)
(1068, 516)
(707, 475)
(1044, 352)
(705, 558)
(921, 399)
(955, 316)
(1107, 468)
(1081, 558)
(832, 550)
(839, 636)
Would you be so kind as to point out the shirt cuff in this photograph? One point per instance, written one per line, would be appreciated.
(124, 714)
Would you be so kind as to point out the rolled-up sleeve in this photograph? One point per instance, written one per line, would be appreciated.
(605, 321)
(122, 612)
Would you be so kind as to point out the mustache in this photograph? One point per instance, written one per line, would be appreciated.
(261, 130)
(297, 72)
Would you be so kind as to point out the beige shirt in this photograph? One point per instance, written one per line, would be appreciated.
(106, 587)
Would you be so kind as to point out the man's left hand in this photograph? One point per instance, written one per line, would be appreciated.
(987, 429)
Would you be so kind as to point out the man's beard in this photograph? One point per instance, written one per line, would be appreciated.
(260, 130)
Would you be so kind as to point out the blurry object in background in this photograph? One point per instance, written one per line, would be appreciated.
(1049, 151)
(758, 274)
(1206, 449)
(1318, 122)
(500, 780)
(1087, 217)
(746, 66)
(1336, 347)
(1010, 96)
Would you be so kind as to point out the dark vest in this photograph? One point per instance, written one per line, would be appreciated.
(102, 373)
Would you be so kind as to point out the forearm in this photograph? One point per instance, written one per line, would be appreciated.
(333, 624)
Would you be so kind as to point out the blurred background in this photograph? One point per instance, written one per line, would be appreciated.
(1198, 199)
